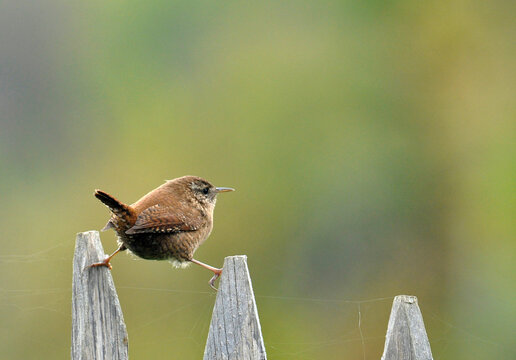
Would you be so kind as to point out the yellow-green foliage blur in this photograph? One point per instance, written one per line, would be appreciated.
(372, 146)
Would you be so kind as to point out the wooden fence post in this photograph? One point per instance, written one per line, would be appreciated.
(98, 328)
(235, 332)
(406, 337)
(99, 331)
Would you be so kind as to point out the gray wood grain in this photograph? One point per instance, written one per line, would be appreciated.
(98, 329)
(406, 337)
(235, 332)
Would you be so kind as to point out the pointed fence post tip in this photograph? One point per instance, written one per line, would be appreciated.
(235, 331)
(406, 335)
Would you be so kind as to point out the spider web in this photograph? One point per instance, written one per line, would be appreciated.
(335, 326)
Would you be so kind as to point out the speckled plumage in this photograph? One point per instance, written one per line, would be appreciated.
(168, 223)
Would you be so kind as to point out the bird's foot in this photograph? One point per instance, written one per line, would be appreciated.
(105, 263)
(217, 273)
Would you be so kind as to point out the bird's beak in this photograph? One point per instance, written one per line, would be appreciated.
(224, 189)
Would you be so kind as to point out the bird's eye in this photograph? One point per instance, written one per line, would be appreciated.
(205, 191)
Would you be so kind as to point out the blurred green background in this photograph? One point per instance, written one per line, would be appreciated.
(372, 146)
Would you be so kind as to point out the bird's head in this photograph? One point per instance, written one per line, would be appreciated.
(199, 190)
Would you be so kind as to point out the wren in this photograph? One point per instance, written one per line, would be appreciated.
(169, 223)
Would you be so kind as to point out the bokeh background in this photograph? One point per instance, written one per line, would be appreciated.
(372, 146)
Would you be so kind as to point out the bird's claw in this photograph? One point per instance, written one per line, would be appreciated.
(102, 263)
(215, 277)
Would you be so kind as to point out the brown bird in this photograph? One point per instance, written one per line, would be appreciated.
(169, 223)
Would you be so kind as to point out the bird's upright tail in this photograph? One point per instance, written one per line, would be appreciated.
(120, 210)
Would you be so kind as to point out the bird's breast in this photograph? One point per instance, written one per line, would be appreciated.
(178, 246)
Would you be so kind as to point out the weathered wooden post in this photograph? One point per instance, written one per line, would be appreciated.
(235, 332)
(406, 337)
(98, 328)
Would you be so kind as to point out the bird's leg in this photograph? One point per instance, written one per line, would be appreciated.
(216, 271)
(105, 262)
